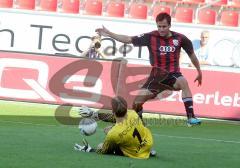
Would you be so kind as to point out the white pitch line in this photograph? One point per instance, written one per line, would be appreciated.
(202, 139)
(28, 123)
(162, 135)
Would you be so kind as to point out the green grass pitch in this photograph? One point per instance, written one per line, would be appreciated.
(31, 137)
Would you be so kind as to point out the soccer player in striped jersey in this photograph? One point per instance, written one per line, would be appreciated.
(164, 48)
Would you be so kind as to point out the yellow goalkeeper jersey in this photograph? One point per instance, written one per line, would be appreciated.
(131, 136)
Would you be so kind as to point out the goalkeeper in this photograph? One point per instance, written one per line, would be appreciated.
(128, 137)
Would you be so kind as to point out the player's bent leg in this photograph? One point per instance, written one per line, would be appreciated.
(140, 99)
(182, 84)
(113, 150)
(118, 151)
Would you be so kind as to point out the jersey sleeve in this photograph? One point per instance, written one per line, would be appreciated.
(107, 117)
(141, 40)
(187, 45)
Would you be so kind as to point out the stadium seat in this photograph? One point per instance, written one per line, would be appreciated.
(70, 6)
(138, 11)
(115, 9)
(184, 15)
(6, 3)
(93, 7)
(171, 1)
(197, 2)
(229, 18)
(220, 3)
(48, 5)
(235, 3)
(159, 9)
(207, 16)
(26, 4)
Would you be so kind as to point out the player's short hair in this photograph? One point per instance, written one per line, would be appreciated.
(119, 106)
(163, 15)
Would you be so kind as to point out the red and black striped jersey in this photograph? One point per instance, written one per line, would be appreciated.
(164, 52)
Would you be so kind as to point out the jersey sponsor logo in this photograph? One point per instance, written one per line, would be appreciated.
(175, 42)
(167, 48)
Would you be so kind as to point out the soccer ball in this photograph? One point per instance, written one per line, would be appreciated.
(87, 126)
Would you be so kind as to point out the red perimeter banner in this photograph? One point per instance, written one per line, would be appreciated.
(77, 81)
(57, 80)
(218, 97)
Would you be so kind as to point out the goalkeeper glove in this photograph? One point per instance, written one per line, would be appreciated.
(84, 111)
(83, 148)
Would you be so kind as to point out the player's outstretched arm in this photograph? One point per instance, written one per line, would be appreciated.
(195, 62)
(84, 111)
(122, 38)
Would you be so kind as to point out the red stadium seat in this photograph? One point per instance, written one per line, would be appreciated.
(184, 15)
(48, 5)
(115, 9)
(171, 1)
(138, 11)
(229, 18)
(159, 9)
(235, 3)
(70, 6)
(220, 3)
(6, 3)
(193, 1)
(207, 16)
(93, 7)
(26, 4)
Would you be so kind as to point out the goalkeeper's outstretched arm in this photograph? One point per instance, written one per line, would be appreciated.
(107, 117)
(97, 115)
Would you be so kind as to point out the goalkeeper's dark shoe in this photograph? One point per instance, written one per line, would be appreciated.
(193, 121)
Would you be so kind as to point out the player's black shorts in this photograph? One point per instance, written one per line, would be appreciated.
(159, 81)
(115, 150)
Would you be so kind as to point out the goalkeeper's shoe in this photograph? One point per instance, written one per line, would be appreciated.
(193, 121)
(84, 111)
(83, 148)
(153, 153)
